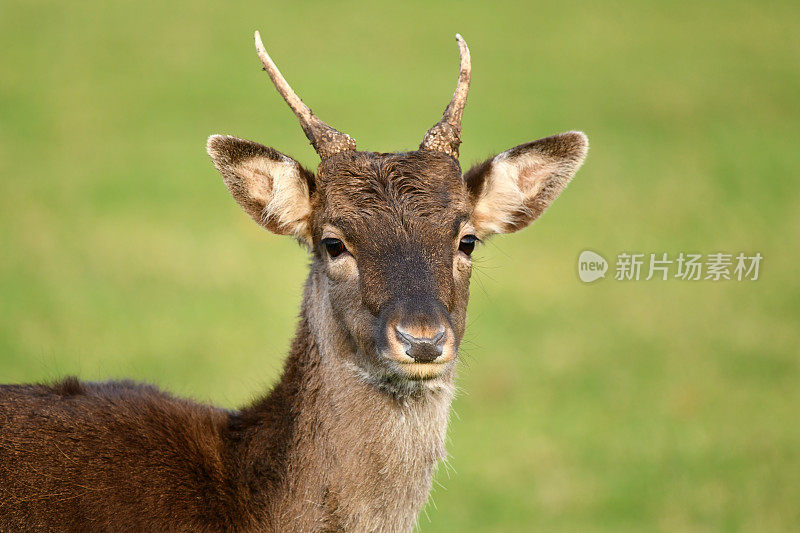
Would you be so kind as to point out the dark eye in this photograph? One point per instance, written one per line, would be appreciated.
(335, 247)
(467, 244)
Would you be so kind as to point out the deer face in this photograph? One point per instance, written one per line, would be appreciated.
(392, 234)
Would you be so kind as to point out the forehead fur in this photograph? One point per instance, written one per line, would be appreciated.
(353, 186)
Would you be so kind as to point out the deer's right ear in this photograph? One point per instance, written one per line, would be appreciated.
(272, 188)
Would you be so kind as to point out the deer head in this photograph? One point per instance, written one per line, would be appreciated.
(392, 234)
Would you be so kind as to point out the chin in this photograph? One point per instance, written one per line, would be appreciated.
(402, 378)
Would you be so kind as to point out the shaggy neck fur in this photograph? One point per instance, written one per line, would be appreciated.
(336, 450)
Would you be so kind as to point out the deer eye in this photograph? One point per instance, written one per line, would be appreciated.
(335, 247)
(467, 244)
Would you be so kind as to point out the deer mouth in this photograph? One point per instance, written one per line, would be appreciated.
(423, 371)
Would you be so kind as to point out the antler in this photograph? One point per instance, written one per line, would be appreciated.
(445, 135)
(325, 140)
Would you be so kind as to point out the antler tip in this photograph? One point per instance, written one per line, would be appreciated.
(463, 49)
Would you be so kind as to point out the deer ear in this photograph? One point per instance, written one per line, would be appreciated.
(511, 190)
(272, 188)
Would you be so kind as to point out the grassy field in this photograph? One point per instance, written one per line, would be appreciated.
(619, 406)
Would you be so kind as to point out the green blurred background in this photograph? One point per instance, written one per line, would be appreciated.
(661, 405)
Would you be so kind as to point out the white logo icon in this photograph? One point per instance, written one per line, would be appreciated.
(591, 266)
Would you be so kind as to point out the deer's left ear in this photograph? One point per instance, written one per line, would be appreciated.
(511, 190)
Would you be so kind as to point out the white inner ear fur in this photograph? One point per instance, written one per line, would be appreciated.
(282, 190)
(511, 181)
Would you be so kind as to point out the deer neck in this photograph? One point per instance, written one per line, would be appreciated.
(357, 455)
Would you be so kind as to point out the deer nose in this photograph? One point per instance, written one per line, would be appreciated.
(421, 349)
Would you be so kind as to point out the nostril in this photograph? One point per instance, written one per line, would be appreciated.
(422, 349)
(438, 340)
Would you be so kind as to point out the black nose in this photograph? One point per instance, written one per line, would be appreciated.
(421, 349)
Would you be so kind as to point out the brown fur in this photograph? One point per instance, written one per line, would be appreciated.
(349, 437)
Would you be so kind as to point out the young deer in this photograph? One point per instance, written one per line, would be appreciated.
(349, 437)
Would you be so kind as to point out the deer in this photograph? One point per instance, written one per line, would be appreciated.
(350, 436)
